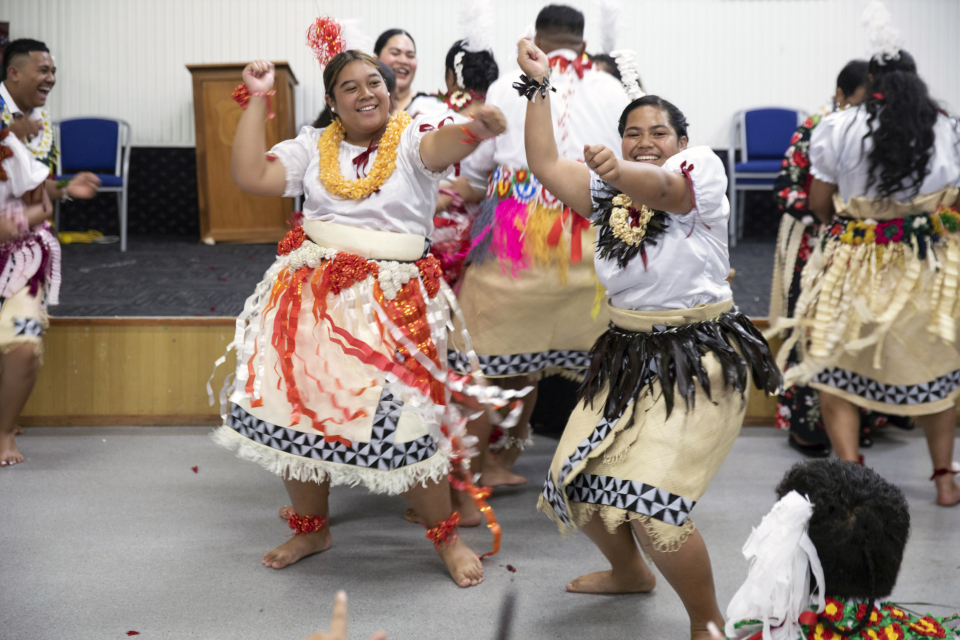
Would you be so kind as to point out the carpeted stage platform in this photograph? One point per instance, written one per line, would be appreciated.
(172, 276)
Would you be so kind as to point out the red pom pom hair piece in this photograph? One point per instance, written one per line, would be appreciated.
(325, 37)
(445, 532)
(302, 525)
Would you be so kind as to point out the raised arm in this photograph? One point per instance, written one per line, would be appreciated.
(566, 179)
(648, 184)
(250, 169)
(448, 145)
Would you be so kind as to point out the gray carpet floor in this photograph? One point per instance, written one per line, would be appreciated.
(160, 276)
(109, 530)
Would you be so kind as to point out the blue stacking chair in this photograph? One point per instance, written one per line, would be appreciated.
(96, 144)
(763, 136)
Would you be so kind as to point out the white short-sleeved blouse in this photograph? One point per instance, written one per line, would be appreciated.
(689, 264)
(838, 155)
(24, 172)
(405, 202)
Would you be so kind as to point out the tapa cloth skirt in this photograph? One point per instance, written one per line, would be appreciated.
(651, 464)
(341, 362)
(876, 320)
(529, 321)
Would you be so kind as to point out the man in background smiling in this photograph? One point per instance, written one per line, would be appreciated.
(28, 76)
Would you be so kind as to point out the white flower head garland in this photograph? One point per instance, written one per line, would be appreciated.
(884, 37)
(629, 76)
(458, 68)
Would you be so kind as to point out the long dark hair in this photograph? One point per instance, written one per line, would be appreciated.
(900, 118)
(479, 67)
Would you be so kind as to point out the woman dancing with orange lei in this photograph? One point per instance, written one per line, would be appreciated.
(341, 351)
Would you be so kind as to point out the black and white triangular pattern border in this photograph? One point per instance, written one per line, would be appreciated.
(868, 389)
(27, 327)
(521, 363)
(381, 453)
(551, 489)
(631, 495)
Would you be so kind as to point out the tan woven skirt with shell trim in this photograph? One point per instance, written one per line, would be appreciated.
(877, 322)
(655, 470)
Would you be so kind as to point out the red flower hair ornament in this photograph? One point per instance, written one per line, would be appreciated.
(325, 37)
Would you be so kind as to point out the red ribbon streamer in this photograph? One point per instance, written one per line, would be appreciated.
(577, 226)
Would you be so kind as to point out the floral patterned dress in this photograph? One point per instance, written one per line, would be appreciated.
(798, 407)
(887, 621)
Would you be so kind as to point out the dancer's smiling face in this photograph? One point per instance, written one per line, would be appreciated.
(649, 136)
(360, 99)
(400, 54)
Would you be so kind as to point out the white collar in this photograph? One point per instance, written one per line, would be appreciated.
(12, 105)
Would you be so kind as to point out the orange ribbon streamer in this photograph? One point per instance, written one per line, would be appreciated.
(480, 499)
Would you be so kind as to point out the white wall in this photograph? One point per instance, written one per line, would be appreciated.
(125, 58)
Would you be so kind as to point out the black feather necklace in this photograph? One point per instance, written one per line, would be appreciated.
(624, 232)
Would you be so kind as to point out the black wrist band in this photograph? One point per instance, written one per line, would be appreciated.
(528, 87)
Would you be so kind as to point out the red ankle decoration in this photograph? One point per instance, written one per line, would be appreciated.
(445, 532)
(302, 525)
(943, 472)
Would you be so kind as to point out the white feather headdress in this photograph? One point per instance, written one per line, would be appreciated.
(609, 24)
(884, 37)
(476, 25)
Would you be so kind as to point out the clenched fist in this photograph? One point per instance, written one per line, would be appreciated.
(258, 76)
(602, 161)
(488, 121)
(533, 62)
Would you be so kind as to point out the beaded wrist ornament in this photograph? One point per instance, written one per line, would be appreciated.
(445, 532)
(241, 95)
(528, 87)
(302, 525)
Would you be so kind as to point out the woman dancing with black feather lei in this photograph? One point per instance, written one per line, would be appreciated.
(632, 461)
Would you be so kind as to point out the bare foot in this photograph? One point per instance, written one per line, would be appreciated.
(496, 476)
(948, 493)
(605, 582)
(9, 454)
(508, 457)
(297, 548)
(462, 563)
(17, 430)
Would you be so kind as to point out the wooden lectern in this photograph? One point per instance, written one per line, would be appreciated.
(226, 213)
